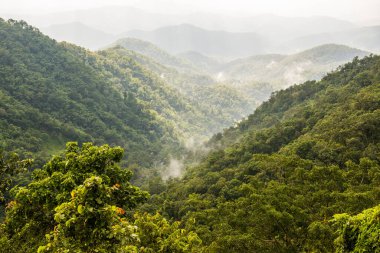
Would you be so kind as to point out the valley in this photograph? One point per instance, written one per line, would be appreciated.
(149, 132)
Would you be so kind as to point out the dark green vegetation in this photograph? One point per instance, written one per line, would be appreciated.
(55, 92)
(308, 153)
(51, 93)
(10, 167)
(278, 181)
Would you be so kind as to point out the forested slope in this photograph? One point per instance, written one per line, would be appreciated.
(150, 50)
(60, 92)
(215, 106)
(310, 152)
(195, 107)
(300, 174)
(52, 93)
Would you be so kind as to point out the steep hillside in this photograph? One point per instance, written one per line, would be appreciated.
(285, 70)
(210, 106)
(150, 50)
(179, 109)
(52, 93)
(278, 177)
(161, 109)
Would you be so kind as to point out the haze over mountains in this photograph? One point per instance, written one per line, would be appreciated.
(181, 38)
(79, 34)
(210, 34)
(285, 70)
(278, 70)
(197, 94)
(221, 67)
(362, 37)
(119, 19)
(230, 132)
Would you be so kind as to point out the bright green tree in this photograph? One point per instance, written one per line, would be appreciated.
(79, 202)
(156, 234)
(359, 233)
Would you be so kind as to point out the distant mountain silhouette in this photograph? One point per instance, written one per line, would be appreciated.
(185, 37)
(79, 34)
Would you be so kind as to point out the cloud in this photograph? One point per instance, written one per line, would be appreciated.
(174, 169)
(294, 74)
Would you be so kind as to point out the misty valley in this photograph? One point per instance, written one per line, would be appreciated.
(124, 130)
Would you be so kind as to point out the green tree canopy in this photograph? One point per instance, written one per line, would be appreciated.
(79, 202)
(358, 233)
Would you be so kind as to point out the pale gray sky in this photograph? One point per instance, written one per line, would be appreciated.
(353, 10)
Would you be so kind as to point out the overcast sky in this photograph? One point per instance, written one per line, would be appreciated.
(353, 10)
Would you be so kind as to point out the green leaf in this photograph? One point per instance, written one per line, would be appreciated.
(80, 209)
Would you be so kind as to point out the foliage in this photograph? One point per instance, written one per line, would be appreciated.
(52, 93)
(276, 179)
(10, 165)
(80, 202)
(271, 183)
(359, 233)
(156, 234)
(201, 105)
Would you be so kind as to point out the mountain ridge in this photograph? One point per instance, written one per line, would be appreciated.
(303, 157)
(185, 37)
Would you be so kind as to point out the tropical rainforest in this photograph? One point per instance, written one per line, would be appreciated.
(89, 140)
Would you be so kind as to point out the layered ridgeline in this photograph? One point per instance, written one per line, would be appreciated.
(281, 71)
(52, 93)
(235, 88)
(277, 179)
(222, 103)
(157, 54)
(367, 38)
(186, 37)
(79, 34)
(255, 76)
(194, 106)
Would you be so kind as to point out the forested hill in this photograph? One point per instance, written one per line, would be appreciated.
(52, 93)
(213, 106)
(278, 181)
(63, 92)
(150, 50)
(310, 152)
